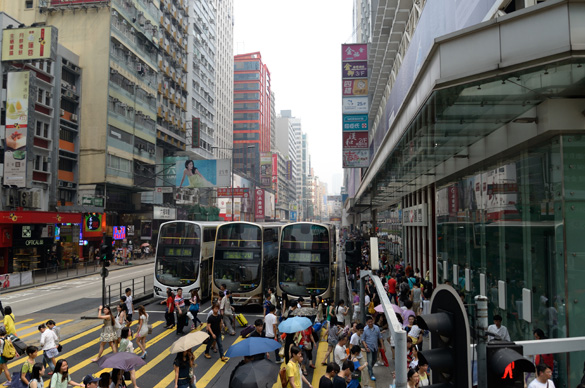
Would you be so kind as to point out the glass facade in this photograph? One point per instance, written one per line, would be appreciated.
(518, 224)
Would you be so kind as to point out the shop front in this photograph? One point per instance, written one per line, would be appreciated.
(37, 240)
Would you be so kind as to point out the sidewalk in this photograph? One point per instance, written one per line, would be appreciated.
(49, 276)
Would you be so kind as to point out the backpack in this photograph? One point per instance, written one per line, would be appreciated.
(404, 291)
(8, 352)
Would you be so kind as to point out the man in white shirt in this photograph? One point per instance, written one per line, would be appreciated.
(271, 327)
(227, 312)
(356, 338)
(543, 379)
(339, 354)
(500, 332)
(49, 345)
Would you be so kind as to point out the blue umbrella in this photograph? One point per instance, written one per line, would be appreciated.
(251, 346)
(294, 324)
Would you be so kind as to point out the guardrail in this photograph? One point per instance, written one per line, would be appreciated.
(140, 287)
(53, 273)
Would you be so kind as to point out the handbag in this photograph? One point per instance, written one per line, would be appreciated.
(17, 382)
(149, 327)
(283, 377)
(194, 307)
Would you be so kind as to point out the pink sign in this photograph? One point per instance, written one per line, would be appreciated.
(259, 206)
(70, 2)
(355, 140)
(354, 52)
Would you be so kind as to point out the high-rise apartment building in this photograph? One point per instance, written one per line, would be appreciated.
(291, 139)
(224, 78)
(252, 112)
(119, 132)
(202, 78)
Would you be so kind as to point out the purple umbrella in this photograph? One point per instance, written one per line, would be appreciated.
(122, 360)
(397, 309)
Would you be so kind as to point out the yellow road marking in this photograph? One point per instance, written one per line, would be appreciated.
(211, 372)
(38, 332)
(321, 369)
(168, 379)
(23, 321)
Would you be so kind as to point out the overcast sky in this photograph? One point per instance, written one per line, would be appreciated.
(300, 42)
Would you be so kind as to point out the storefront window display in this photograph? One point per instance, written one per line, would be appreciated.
(518, 225)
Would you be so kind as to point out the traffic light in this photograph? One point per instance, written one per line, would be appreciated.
(106, 251)
(506, 364)
(448, 356)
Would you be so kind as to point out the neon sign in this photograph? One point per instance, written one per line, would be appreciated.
(119, 232)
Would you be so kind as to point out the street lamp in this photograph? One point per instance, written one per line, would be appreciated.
(232, 175)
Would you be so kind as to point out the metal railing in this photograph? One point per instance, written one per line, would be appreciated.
(53, 273)
(140, 286)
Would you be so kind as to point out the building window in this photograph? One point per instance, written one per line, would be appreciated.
(28, 4)
(42, 129)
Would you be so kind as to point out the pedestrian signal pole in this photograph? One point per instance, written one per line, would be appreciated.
(481, 303)
(105, 258)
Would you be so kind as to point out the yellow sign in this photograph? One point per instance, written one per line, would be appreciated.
(27, 43)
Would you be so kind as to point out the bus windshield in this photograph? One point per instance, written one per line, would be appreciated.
(238, 257)
(179, 247)
(304, 260)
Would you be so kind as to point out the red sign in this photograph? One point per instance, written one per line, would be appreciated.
(32, 217)
(239, 192)
(274, 164)
(259, 206)
(355, 139)
(354, 52)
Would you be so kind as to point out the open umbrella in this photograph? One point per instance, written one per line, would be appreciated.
(144, 245)
(251, 346)
(255, 374)
(294, 324)
(189, 341)
(305, 312)
(397, 309)
(122, 360)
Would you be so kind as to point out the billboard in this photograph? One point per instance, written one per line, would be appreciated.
(238, 192)
(265, 169)
(17, 106)
(355, 69)
(355, 122)
(355, 106)
(355, 87)
(29, 43)
(354, 52)
(259, 205)
(202, 173)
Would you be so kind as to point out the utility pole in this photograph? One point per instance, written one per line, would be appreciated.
(482, 325)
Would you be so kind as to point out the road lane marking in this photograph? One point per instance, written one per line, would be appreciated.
(170, 378)
(217, 366)
(29, 334)
(88, 361)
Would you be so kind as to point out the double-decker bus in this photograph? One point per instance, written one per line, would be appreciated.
(184, 257)
(245, 260)
(305, 260)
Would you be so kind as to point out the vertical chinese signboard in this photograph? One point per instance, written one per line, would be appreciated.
(355, 107)
(266, 170)
(259, 208)
(17, 125)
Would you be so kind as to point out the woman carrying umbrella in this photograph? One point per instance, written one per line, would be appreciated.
(127, 347)
(108, 335)
(183, 365)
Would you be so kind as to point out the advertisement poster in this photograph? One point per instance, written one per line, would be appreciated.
(17, 104)
(146, 230)
(265, 169)
(356, 158)
(203, 173)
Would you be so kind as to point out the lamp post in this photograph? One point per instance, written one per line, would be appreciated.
(232, 172)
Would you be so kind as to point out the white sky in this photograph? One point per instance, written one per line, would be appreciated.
(300, 43)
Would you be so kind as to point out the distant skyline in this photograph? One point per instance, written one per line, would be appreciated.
(304, 60)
